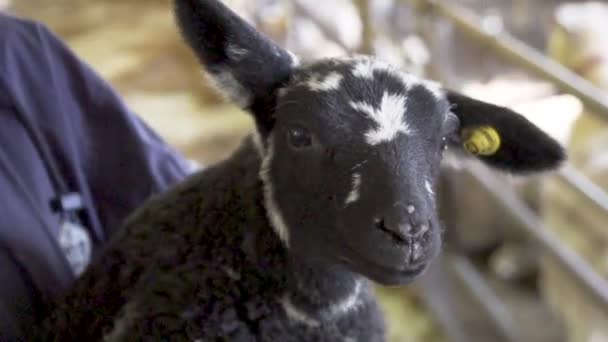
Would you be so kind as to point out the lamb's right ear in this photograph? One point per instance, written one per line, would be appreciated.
(245, 65)
(503, 138)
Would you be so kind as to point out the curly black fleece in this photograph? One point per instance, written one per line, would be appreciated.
(201, 263)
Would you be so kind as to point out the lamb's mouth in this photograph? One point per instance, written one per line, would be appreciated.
(393, 274)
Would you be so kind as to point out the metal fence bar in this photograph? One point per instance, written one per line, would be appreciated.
(487, 298)
(519, 53)
(574, 264)
(584, 186)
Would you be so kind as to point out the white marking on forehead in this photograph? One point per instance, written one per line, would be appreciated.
(410, 209)
(364, 67)
(296, 314)
(434, 88)
(272, 210)
(429, 187)
(353, 195)
(236, 53)
(331, 81)
(228, 86)
(389, 118)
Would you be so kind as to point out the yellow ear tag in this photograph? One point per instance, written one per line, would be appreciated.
(482, 141)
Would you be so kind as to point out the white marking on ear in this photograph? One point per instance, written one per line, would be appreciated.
(353, 195)
(429, 187)
(295, 314)
(272, 210)
(331, 81)
(228, 86)
(389, 118)
(236, 53)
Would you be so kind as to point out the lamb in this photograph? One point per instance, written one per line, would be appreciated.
(282, 240)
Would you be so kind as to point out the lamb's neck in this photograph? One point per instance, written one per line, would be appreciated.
(317, 292)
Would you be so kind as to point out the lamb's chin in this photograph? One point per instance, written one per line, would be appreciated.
(387, 275)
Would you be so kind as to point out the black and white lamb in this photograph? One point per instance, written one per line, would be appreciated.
(280, 241)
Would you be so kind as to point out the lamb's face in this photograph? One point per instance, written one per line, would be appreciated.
(351, 165)
(351, 148)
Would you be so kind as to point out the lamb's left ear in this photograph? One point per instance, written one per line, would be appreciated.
(503, 138)
(245, 65)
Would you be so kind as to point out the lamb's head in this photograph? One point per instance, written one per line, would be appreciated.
(351, 147)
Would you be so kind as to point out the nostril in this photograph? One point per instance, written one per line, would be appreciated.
(397, 236)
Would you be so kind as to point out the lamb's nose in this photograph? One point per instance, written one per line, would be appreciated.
(404, 225)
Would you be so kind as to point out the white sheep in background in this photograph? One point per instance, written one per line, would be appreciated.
(279, 241)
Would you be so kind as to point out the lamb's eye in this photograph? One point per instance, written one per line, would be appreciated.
(299, 137)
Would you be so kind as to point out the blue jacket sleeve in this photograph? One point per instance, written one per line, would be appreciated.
(124, 161)
(105, 151)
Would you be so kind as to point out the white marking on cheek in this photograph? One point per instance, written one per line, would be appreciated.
(388, 118)
(295, 314)
(228, 86)
(353, 195)
(429, 187)
(272, 210)
(236, 53)
(330, 82)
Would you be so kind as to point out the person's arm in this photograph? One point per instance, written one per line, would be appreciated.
(98, 140)
(102, 151)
